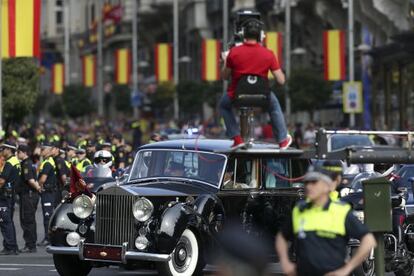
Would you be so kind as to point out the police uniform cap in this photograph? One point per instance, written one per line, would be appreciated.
(317, 174)
(80, 150)
(46, 145)
(71, 147)
(117, 136)
(333, 166)
(106, 144)
(9, 145)
(55, 144)
(24, 148)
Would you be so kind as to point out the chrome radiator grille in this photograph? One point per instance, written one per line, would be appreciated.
(114, 220)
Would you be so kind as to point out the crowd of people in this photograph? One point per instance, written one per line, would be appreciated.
(35, 166)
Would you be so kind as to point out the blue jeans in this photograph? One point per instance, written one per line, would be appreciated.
(275, 112)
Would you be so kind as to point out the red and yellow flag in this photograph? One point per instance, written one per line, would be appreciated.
(210, 70)
(163, 62)
(123, 66)
(334, 55)
(20, 28)
(274, 42)
(58, 78)
(89, 70)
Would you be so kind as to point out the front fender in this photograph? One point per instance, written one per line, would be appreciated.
(206, 204)
(64, 221)
(173, 223)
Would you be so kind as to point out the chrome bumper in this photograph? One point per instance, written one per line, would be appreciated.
(126, 255)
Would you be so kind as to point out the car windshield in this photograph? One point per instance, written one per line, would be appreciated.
(343, 141)
(201, 166)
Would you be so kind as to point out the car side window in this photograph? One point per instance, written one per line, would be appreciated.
(276, 173)
(241, 173)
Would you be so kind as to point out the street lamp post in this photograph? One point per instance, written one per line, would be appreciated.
(351, 51)
(287, 55)
(135, 53)
(100, 59)
(225, 35)
(66, 10)
(176, 53)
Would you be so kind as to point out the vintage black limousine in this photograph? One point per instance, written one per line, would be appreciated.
(178, 196)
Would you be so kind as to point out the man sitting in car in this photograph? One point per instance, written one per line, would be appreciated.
(175, 169)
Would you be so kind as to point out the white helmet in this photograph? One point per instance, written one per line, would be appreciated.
(102, 158)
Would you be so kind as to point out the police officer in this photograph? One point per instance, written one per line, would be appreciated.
(334, 169)
(48, 183)
(62, 171)
(90, 150)
(9, 179)
(83, 162)
(118, 151)
(29, 198)
(71, 154)
(320, 229)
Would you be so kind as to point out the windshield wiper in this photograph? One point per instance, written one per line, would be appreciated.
(140, 180)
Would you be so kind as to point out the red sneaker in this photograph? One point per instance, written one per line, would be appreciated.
(238, 140)
(286, 143)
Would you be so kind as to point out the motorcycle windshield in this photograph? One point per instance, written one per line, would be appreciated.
(98, 176)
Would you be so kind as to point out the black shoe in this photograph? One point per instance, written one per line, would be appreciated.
(9, 252)
(28, 250)
(44, 242)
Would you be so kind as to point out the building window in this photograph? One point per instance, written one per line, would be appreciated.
(59, 3)
(59, 17)
(92, 12)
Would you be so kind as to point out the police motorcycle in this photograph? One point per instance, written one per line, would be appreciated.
(399, 245)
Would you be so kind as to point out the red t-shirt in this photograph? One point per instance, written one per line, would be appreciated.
(249, 58)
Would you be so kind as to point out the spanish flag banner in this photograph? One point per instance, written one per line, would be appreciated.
(334, 55)
(273, 41)
(89, 70)
(163, 62)
(20, 28)
(58, 78)
(210, 69)
(123, 66)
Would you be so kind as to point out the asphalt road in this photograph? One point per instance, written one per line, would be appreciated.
(41, 263)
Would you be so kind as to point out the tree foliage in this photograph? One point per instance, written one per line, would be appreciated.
(122, 96)
(308, 90)
(20, 88)
(162, 100)
(76, 101)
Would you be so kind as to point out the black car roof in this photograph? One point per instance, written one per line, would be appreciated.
(210, 145)
(214, 145)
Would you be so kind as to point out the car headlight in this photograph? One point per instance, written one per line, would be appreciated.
(141, 242)
(73, 239)
(82, 206)
(142, 209)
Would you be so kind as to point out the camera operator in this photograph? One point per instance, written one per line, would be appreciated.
(251, 58)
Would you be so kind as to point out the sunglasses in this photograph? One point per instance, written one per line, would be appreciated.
(105, 160)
